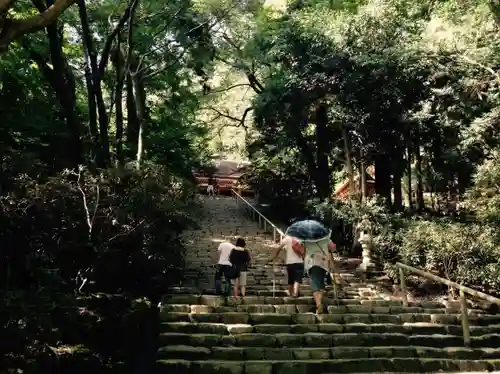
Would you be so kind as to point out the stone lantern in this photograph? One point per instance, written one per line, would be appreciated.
(364, 228)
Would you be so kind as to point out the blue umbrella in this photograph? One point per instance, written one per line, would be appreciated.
(308, 230)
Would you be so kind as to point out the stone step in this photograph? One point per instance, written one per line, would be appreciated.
(264, 323)
(184, 352)
(367, 365)
(279, 291)
(347, 328)
(194, 335)
(282, 293)
(215, 300)
(311, 308)
(366, 330)
(311, 318)
(352, 287)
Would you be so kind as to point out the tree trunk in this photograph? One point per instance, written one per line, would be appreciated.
(12, 29)
(408, 171)
(293, 130)
(383, 178)
(96, 86)
(92, 108)
(397, 167)
(322, 150)
(348, 160)
(418, 170)
(62, 81)
(120, 79)
(495, 10)
(132, 119)
(362, 179)
(140, 104)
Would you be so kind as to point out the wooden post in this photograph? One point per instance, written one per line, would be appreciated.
(465, 318)
(274, 234)
(404, 290)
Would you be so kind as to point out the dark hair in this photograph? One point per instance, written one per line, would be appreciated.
(240, 242)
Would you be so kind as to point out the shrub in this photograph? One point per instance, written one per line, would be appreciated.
(344, 217)
(110, 232)
(465, 253)
(82, 232)
(482, 200)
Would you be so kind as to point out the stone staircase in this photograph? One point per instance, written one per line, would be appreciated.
(365, 330)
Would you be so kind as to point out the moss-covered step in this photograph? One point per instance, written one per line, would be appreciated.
(215, 301)
(301, 328)
(289, 316)
(311, 318)
(369, 365)
(316, 339)
(309, 307)
(280, 290)
(184, 352)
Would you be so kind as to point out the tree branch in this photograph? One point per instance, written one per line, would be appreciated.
(14, 29)
(230, 88)
(111, 37)
(5, 5)
(488, 69)
(241, 121)
(210, 27)
(220, 114)
(253, 82)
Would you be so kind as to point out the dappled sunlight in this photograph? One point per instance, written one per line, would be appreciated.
(218, 240)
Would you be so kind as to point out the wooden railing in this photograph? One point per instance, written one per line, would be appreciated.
(264, 222)
(462, 289)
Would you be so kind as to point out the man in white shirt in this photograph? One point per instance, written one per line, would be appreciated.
(294, 265)
(223, 263)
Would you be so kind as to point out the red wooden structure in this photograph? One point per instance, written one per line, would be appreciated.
(228, 174)
(342, 192)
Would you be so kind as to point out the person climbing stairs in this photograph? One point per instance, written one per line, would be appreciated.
(364, 330)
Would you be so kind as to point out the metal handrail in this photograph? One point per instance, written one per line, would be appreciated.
(263, 220)
(462, 289)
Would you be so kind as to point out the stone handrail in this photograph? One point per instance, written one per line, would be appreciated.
(263, 220)
(462, 289)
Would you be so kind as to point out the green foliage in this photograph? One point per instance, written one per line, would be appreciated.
(74, 223)
(81, 233)
(344, 218)
(411, 88)
(467, 253)
(483, 199)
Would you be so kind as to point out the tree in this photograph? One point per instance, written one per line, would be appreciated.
(12, 29)
(99, 137)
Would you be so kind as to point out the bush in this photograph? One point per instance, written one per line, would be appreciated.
(343, 218)
(465, 253)
(482, 200)
(112, 232)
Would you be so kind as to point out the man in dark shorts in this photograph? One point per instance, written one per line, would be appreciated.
(294, 266)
